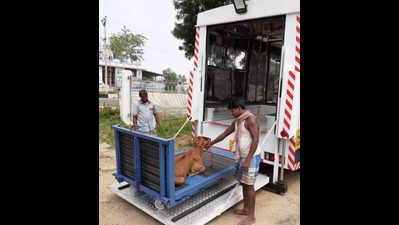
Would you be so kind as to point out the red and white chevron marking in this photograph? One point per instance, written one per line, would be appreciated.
(297, 166)
(290, 97)
(291, 154)
(191, 85)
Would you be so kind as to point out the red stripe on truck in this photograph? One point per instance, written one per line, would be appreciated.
(290, 95)
(288, 104)
(291, 150)
(287, 114)
(286, 123)
(291, 85)
(291, 160)
(297, 60)
(291, 74)
(293, 142)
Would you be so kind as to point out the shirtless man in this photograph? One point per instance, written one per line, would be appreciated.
(247, 154)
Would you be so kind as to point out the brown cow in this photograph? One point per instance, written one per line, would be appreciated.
(191, 162)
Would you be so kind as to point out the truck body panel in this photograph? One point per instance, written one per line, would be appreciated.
(214, 31)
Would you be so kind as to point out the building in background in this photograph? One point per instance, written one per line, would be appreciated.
(113, 65)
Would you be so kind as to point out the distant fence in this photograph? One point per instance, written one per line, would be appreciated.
(174, 104)
(158, 86)
(149, 86)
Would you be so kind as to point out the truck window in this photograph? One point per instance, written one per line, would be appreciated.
(243, 62)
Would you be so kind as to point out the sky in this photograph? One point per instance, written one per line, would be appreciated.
(155, 20)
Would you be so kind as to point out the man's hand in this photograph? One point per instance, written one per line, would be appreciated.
(208, 145)
(245, 165)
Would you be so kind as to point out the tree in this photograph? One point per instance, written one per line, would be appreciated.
(181, 78)
(170, 79)
(127, 46)
(187, 11)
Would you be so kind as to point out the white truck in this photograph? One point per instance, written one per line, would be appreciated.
(252, 57)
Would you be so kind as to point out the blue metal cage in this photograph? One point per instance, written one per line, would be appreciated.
(147, 163)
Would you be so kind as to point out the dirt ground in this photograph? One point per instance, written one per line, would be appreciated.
(270, 208)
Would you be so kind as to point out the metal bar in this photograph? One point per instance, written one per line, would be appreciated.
(268, 133)
(280, 87)
(142, 135)
(137, 163)
(179, 153)
(275, 165)
(283, 160)
(150, 166)
(170, 174)
(185, 213)
(124, 186)
(117, 150)
(162, 168)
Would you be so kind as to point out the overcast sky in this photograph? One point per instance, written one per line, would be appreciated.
(155, 20)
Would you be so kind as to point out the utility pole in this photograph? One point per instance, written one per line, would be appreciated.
(104, 22)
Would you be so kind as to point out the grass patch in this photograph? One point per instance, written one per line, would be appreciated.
(109, 92)
(168, 125)
(108, 117)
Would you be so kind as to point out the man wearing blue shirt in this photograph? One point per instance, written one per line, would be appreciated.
(145, 117)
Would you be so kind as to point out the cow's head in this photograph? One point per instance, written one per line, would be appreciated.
(201, 141)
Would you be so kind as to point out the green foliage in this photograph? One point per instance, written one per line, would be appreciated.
(170, 126)
(127, 46)
(187, 11)
(170, 79)
(169, 75)
(108, 117)
(181, 78)
(109, 92)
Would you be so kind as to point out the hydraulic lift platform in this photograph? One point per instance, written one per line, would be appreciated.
(200, 209)
(145, 178)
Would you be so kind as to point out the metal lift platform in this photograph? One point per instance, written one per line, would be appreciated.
(145, 176)
(198, 210)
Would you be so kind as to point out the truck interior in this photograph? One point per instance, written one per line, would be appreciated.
(243, 63)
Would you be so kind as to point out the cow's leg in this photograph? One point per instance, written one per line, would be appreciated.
(202, 168)
(196, 169)
(179, 180)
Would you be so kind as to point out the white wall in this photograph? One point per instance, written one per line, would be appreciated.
(100, 75)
